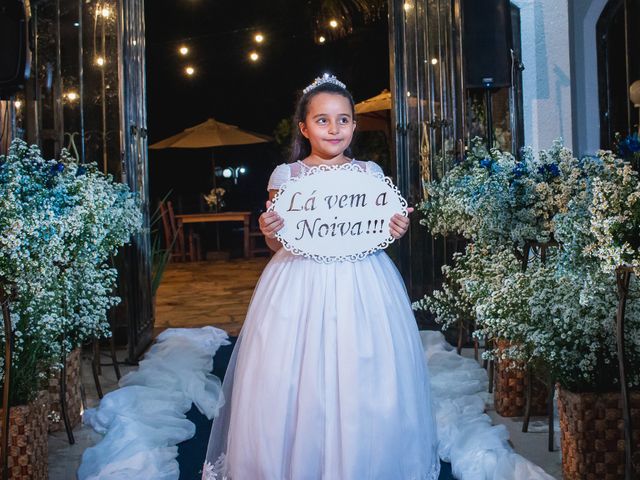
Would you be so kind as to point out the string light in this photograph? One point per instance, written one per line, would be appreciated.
(254, 56)
(434, 61)
(189, 71)
(183, 50)
(321, 39)
(105, 12)
(259, 38)
(100, 61)
(17, 104)
(407, 6)
(72, 96)
(333, 23)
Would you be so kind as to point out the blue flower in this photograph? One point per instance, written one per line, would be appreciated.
(486, 162)
(629, 146)
(519, 170)
(57, 168)
(551, 169)
(81, 171)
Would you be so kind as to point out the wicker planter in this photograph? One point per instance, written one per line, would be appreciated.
(511, 389)
(74, 399)
(28, 442)
(592, 435)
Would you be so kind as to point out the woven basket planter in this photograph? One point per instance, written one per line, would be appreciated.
(74, 399)
(511, 389)
(592, 435)
(28, 440)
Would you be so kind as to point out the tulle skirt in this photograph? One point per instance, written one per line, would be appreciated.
(327, 380)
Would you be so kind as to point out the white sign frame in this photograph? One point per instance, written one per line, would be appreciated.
(278, 203)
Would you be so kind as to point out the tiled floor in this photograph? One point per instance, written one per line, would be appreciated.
(207, 293)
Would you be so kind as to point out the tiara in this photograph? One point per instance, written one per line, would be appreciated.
(325, 78)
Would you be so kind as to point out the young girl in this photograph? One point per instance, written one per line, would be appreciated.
(328, 379)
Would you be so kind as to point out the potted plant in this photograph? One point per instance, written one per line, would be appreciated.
(59, 224)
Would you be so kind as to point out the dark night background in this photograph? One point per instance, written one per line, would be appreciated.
(231, 88)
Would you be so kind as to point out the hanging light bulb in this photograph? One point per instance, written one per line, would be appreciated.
(72, 96)
(105, 12)
(254, 56)
(190, 70)
(333, 23)
(183, 50)
(259, 38)
(17, 104)
(100, 61)
(434, 61)
(321, 39)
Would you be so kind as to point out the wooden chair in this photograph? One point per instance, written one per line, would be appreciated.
(174, 236)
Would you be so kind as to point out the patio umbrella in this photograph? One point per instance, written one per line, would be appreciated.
(211, 134)
(374, 113)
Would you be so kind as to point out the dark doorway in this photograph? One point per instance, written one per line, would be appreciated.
(618, 66)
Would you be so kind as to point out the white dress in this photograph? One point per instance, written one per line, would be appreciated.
(328, 378)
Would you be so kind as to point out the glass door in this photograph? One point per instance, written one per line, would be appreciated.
(427, 118)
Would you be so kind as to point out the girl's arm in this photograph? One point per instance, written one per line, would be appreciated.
(270, 223)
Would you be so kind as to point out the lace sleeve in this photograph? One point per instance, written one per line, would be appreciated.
(279, 175)
(374, 167)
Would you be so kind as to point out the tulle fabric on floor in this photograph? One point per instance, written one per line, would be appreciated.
(328, 379)
(476, 449)
(144, 420)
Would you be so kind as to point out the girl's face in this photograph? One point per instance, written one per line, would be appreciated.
(329, 124)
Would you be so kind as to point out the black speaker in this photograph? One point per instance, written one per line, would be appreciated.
(486, 43)
(15, 56)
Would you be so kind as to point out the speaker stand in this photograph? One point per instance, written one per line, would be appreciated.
(489, 117)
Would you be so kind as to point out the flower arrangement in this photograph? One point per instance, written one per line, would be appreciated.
(547, 233)
(214, 198)
(628, 148)
(491, 198)
(615, 215)
(60, 222)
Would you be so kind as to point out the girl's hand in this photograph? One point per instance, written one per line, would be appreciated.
(270, 222)
(399, 224)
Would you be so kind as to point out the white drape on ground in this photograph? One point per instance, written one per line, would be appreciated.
(476, 449)
(144, 420)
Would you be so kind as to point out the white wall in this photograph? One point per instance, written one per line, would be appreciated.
(547, 75)
(586, 112)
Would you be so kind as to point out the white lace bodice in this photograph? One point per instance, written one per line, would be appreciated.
(285, 171)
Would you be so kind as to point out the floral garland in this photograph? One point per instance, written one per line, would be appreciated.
(60, 222)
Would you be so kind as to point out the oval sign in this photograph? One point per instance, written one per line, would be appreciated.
(336, 213)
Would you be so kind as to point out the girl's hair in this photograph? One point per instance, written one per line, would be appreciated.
(300, 146)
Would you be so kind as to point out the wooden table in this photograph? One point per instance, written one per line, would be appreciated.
(219, 217)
